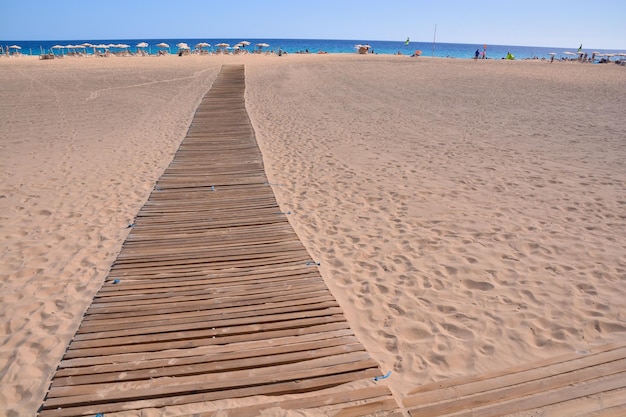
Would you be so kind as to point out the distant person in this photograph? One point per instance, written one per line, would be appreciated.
(476, 53)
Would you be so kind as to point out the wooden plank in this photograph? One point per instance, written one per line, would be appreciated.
(237, 334)
(323, 401)
(323, 332)
(206, 315)
(80, 394)
(204, 365)
(149, 334)
(125, 364)
(296, 386)
(295, 295)
(615, 411)
(369, 409)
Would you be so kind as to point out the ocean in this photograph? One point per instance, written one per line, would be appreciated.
(452, 50)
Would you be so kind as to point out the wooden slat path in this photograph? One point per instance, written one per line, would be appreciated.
(591, 384)
(212, 296)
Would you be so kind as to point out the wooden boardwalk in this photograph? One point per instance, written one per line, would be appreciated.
(212, 296)
(589, 384)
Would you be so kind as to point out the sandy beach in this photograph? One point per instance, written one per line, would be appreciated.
(467, 215)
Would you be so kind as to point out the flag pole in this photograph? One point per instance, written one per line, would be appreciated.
(434, 39)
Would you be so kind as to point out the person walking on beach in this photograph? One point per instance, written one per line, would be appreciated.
(476, 53)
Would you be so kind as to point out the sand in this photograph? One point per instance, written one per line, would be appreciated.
(468, 216)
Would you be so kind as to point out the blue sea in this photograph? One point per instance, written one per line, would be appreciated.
(452, 50)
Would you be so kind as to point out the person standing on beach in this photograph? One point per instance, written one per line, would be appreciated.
(476, 53)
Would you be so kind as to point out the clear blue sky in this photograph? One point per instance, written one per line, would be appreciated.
(560, 23)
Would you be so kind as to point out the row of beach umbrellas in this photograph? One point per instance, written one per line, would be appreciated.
(143, 45)
(596, 54)
(202, 45)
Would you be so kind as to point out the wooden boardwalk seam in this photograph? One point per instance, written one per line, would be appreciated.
(212, 296)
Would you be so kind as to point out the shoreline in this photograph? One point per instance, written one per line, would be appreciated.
(299, 46)
(466, 217)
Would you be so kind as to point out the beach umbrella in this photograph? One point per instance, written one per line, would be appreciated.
(182, 45)
(221, 46)
(141, 46)
(262, 45)
(362, 49)
(16, 47)
(163, 45)
(570, 53)
(202, 45)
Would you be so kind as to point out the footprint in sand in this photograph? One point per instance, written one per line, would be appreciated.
(477, 285)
